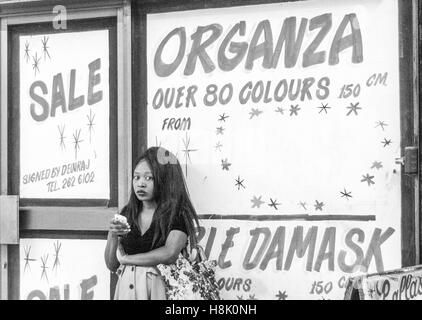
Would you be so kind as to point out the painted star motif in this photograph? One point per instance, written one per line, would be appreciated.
(252, 297)
(346, 194)
(44, 267)
(239, 297)
(381, 124)
(318, 205)
(45, 48)
(91, 123)
(280, 110)
(77, 142)
(62, 137)
(281, 295)
(27, 51)
(303, 205)
(377, 165)
(324, 108)
(256, 202)
(220, 130)
(36, 62)
(187, 152)
(27, 258)
(57, 247)
(274, 204)
(223, 117)
(294, 110)
(239, 183)
(353, 108)
(368, 179)
(386, 142)
(255, 112)
(225, 164)
(218, 146)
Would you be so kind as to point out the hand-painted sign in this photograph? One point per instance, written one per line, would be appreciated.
(400, 284)
(56, 269)
(64, 115)
(286, 120)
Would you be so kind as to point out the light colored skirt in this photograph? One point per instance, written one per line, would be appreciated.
(139, 283)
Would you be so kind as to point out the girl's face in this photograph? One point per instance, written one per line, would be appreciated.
(143, 182)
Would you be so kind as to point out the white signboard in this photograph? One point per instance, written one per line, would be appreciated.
(286, 120)
(64, 115)
(57, 269)
(400, 284)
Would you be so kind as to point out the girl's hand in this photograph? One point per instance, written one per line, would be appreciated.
(121, 254)
(119, 228)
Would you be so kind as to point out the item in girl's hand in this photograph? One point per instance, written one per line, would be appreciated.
(120, 218)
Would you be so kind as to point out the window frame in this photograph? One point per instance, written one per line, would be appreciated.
(64, 215)
(409, 21)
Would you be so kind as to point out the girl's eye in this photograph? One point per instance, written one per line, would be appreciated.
(136, 178)
(148, 178)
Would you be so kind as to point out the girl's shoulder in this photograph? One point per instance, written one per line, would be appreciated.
(178, 223)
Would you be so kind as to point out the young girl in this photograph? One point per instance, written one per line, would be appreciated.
(160, 218)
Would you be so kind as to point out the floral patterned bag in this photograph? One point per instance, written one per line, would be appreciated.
(190, 279)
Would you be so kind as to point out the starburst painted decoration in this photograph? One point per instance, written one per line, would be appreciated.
(377, 165)
(62, 137)
(353, 108)
(256, 202)
(255, 113)
(187, 152)
(346, 194)
(239, 297)
(27, 57)
(77, 141)
(294, 110)
(274, 204)
(44, 267)
(36, 63)
(303, 205)
(223, 117)
(220, 130)
(27, 259)
(57, 247)
(280, 110)
(239, 183)
(218, 146)
(324, 107)
(318, 205)
(367, 178)
(45, 48)
(252, 297)
(281, 295)
(91, 123)
(225, 164)
(386, 142)
(381, 124)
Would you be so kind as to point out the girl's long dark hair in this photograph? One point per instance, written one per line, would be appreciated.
(170, 194)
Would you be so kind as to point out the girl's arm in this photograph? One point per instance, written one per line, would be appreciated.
(166, 254)
(110, 252)
(110, 257)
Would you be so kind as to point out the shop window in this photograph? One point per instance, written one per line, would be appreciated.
(63, 108)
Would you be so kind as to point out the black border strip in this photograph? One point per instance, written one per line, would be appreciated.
(288, 217)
